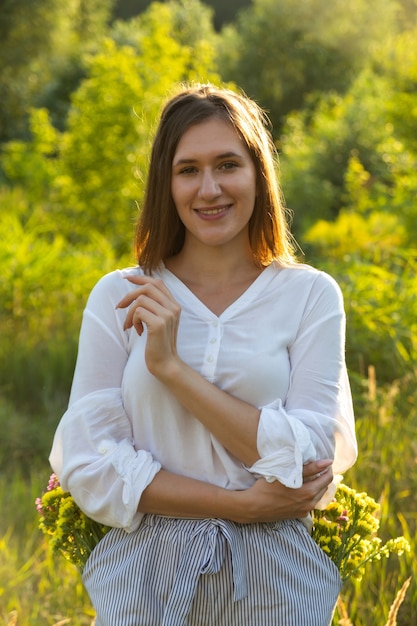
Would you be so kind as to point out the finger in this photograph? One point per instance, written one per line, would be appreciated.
(128, 299)
(326, 472)
(318, 497)
(318, 489)
(144, 282)
(145, 297)
(148, 280)
(311, 470)
(139, 313)
(153, 309)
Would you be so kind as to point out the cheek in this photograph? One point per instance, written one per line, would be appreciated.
(176, 196)
(180, 192)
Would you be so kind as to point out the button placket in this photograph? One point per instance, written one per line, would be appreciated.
(212, 349)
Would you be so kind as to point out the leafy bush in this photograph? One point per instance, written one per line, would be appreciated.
(43, 288)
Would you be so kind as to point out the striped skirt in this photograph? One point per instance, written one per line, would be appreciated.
(179, 572)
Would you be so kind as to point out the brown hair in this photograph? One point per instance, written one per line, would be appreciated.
(159, 231)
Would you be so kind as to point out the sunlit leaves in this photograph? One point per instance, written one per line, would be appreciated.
(287, 50)
(92, 173)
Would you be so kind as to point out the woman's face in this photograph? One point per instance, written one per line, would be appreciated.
(213, 184)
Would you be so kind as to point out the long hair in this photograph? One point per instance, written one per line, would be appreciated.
(159, 231)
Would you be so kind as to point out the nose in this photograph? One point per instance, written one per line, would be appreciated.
(209, 186)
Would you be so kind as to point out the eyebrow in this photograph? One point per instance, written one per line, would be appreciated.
(223, 155)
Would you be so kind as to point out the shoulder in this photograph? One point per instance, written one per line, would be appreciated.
(112, 287)
(314, 283)
(307, 274)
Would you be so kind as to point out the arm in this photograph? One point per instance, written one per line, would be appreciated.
(233, 422)
(93, 452)
(178, 496)
(113, 483)
(95, 458)
(317, 418)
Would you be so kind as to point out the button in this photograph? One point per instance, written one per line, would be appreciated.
(210, 358)
(213, 340)
(215, 323)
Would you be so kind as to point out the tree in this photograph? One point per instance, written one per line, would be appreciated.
(38, 41)
(24, 34)
(282, 52)
(349, 172)
(91, 174)
(359, 150)
(224, 12)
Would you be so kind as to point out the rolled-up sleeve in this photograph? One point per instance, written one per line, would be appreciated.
(93, 452)
(315, 420)
(95, 459)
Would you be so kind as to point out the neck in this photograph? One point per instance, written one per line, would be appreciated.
(212, 266)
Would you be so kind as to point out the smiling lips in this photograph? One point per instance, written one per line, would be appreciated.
(214, 211)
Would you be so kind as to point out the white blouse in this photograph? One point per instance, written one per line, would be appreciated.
(279, 346)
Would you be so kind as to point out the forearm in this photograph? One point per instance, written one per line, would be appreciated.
(179, 496)
(232, 421)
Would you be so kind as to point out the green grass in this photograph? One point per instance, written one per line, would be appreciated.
(44, 590)
(386, 469)
(36, 587)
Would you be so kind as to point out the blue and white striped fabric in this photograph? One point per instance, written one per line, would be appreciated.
(179, 572)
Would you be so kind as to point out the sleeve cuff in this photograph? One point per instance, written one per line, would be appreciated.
(136, 469)
(284, 446)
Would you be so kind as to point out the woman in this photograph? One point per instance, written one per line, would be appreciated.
(210, 402)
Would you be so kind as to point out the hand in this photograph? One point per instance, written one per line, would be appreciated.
(315, 469)
(152, 304)
(271, 502)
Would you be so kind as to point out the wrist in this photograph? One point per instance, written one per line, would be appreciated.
(168, 371)
(237, 505)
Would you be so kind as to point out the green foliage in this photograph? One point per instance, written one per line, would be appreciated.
(347, 531)
(350, 156)
(32, 165)
(91, 174)
(386, 430)
(27, 431)
(400, 65)
(349, 173)
(377, 274)
(223, 11)
(280, 52)
(387, 423)
(37, 39)
(80, 123)
(35, 589)
(43, 287)
(24, 34)
(317, 148)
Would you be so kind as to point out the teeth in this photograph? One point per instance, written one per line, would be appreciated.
(211, 211)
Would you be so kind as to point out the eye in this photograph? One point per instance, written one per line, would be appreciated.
(229, 165)
(190, 169)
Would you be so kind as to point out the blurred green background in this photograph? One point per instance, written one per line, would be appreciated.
(81, 86)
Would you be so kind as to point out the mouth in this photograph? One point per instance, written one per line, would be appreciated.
(212, 212)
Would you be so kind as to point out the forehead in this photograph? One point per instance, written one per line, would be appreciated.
(211, 136)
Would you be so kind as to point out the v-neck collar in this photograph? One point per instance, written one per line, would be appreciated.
(186, 294)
